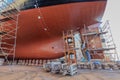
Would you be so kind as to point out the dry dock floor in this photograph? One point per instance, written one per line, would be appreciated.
(18, 72)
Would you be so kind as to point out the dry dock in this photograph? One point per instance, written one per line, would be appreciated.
(18, 72)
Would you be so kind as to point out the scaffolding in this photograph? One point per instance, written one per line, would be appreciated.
(105, 38)
(9, 13)
(90, 41)
(108, 42)
(69, 47)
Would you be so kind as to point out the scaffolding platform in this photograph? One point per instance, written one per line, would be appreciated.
(93, 33)
(101, 49)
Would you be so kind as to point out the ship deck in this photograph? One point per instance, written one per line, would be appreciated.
(18, 72)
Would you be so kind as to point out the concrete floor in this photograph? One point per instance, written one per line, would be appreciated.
(36, 73)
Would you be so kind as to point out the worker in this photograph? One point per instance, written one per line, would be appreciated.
(88, 55)
(84, 47)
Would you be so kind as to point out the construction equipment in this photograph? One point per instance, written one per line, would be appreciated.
(102, 36)
(58, 67)
(99, 41)
(53, 67)
(69, 69)
(91, 36)
(70, 66)
(9, 13)
(69, 47)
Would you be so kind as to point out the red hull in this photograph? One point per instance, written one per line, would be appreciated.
(42, 38)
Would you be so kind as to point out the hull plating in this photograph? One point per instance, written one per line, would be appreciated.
(40, 30)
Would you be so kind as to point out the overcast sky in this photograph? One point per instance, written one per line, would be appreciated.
(112, 14)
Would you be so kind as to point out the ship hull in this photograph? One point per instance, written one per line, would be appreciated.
(40, 29)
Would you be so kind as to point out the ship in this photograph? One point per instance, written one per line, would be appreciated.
(42, 22)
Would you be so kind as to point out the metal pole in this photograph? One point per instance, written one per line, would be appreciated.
(15, 37)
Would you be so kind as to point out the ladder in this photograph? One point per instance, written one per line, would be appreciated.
(69, 47)
(9, 13)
